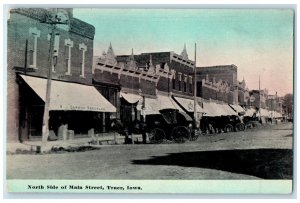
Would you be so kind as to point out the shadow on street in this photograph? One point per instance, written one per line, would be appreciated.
(262, 163)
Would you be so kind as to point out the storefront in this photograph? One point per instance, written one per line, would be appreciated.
(237, 108)
(155, 104)
(212, 109)
(128, 110)
(78, 107)
(188, 106)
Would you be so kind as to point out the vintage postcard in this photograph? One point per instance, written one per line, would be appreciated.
(120, 100)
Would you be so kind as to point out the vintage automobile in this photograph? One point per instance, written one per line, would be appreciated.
(170, 124)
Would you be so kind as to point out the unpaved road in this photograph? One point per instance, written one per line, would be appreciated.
(263, 153)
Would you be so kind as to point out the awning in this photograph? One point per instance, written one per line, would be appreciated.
(278, 115)
(153, 105)
(237, 108)
(275, 114)
(188, 104)
(228, 111)
(250, 112)
(209, 109)
(224, 110)
(131, 98)
(213, 109)
(70, 96)
(263, 113)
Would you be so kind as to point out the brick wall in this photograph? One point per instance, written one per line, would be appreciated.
(18, 33)
(184, 70)
(148, 87)
(206, 92)
(162, 58)
(164, 84)
(129, 82)
(226, 73)
(106, 77)
(21, 20)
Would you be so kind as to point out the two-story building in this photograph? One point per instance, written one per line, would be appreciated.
(149, 81)
(74, 102)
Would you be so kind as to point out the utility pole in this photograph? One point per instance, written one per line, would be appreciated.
(52, 21)
(259, 105)
(45, 129)
(195, 90)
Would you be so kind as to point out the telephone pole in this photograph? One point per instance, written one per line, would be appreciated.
(52, 20)
(45, 128)
(259, 97)
(195, 91)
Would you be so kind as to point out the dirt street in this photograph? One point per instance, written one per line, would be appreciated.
(262, 153)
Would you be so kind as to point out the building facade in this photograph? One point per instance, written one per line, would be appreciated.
(145, 78)
(218, 83)
(243, 94)
(28, 63)
(259, 98)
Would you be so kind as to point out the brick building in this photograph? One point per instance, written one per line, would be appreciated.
(146, 80)
(28, 63)
(218, 83)
(174, 71)
(260, 98)
(227, 73)
(274, 103)
(243, 93)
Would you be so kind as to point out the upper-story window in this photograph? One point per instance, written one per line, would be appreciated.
(83, 48)
(68, 45)
(34, 33)
(55, 51)
(191, 84)
(173, 81)
(179, 81)
(185, 82)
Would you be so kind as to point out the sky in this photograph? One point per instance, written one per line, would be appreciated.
(258, 41)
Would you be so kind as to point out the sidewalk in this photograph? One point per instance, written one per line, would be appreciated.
(100, 140)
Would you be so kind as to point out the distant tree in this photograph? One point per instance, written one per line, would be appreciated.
(288, 104)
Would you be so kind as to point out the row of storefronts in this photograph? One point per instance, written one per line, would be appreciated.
(88, 92)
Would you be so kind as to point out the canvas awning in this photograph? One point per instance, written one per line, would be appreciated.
(131, 98)
(237, 108)
(153, 105)
(213, 109)
(274, 114)
(249, 112)
(70, 96)
(224, 110)
(188, 104)
(228, 111)
(263, 113)
(208, 109)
